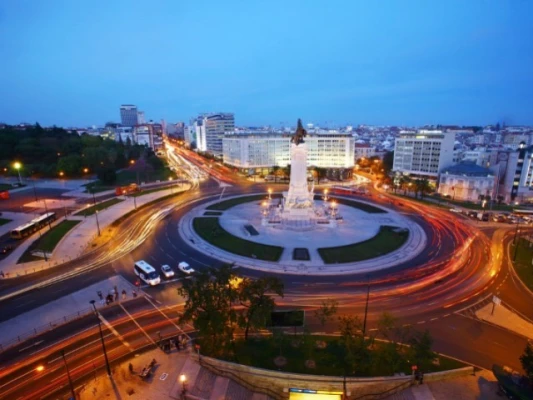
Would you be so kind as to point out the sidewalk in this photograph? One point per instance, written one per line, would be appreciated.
(481, 386)
(75, 242)
(59, 311)
(506, 319)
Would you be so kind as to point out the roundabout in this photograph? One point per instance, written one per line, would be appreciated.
(367, 239)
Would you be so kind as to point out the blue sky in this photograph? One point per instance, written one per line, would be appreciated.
(72, 63)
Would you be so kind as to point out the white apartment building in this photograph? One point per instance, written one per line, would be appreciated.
(211, 129)
(466, 182)
(249, 151)
(363, 150)
(423, 153)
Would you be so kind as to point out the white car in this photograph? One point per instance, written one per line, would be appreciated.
(456, 210)
(185, 268)
(167, 271)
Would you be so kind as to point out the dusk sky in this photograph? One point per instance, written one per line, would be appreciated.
(73, 63)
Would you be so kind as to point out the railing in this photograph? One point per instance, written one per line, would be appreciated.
(401, 386)
(44, 328)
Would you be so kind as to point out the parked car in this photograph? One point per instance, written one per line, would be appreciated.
(6, 249)
(167, 271)
(185, 268)
(456, 210)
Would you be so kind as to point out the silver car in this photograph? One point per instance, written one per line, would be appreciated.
(167, 271)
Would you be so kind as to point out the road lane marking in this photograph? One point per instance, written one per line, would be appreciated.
(172, 322)
(31, 345)
(114, 331)
(138, 326)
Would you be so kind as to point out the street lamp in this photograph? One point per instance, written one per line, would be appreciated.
(269, 194)
(61, 174)
(96, 213)
(101, 337)
(183, 380)
(325, 194)
(39, 368)
(366, 305)
(18, 166)
(68, 375)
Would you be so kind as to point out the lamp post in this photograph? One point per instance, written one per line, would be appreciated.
(68, 375)
(170, 180)
(269, 194)
(101, 337)
(366, 305)
(183, 380)
(516, 242)
(96, 213)
(325, 195)
(18, 166)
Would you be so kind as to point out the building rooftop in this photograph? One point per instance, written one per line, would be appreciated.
(467, 169)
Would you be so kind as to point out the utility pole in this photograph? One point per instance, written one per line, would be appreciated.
(366, 305)
(68, 375)
(96, 213)
(101, 337)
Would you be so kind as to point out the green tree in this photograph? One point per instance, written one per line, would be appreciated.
(526, 359)
(388, 161)
(107, 174)
(71, 165)
(321, 173)
(405, 183)
(257, 303)
(326, 311)
(389, 356)
(355, 346)
(420, 350)
(208, 305)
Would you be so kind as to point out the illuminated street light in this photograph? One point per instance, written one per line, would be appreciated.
(85, 170)
(39, 368)
(61, 173)
(183, 380)
(18, 166)
(269, 194)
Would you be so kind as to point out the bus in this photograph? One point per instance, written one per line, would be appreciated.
(147, 273)
(33, 226)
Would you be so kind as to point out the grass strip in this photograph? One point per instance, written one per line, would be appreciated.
(522, 263)
(48, 241)
(4, 221)
(388, 239)
(98, 207)
(211, 231)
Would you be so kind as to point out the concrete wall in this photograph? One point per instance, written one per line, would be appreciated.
(277, 383)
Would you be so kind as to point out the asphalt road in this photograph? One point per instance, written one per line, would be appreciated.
(440, 305)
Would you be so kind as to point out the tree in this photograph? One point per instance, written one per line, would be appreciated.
(388, 161)
(423, 187)
(405, 183)
(326, 312)
(526, 360)
(420, 350)
(321, 173)
(390, 356)
(208, 305)
(256, 302)
(107, 174)
(71, 165)
(275, 172)
(355, 346)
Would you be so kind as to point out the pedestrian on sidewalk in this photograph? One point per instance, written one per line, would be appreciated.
(99, 293)
(123, 294)
(130, 367)
(134, 293)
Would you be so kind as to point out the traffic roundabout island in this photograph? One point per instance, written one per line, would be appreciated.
(356, 237)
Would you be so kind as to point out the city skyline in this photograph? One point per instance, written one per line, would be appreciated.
(406, 64)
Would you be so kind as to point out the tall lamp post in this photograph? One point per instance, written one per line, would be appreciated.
(366, 305)
(68, 375)
(18, 166)
(101, 337)
(96, 213)
(516, 242)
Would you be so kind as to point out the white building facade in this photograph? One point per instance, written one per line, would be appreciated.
(424, 153)
(467, 182)
(266, 151)
(211, 129)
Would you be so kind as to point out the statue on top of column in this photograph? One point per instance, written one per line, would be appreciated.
(299, 135)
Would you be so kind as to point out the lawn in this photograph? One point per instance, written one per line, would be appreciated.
(4, 221)
(210, 230)
(523, 264)
(5, 186)
(49, 240)
(224, 205)
(384, 242)
(261, 352)
(98, 207)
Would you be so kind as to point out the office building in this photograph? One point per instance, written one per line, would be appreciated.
(129, 115)
(210, 130)
(140, 117)
(424, 153)
(466, 181)
(258, 153)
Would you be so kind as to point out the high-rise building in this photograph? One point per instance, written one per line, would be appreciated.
(140, 117)
(423, 153)
(129, 115)
(210, 130)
